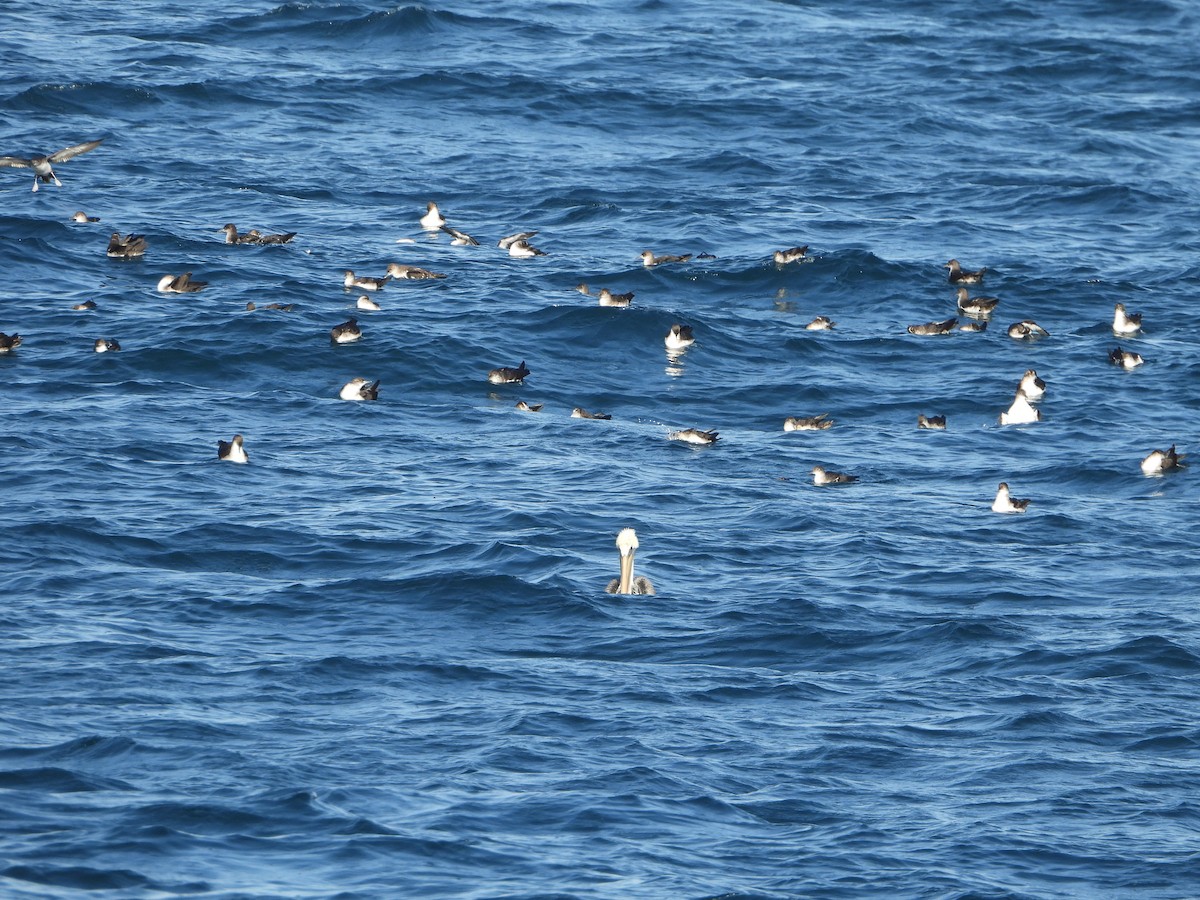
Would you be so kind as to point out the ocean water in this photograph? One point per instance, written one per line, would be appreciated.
(379, 661)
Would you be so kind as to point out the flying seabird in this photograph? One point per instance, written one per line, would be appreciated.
(1126, 359)
(1126, 323)
(522, 249)
(821, 476)
(1020, 412)
(9, 342)
(41, 164)
(580, 413)
(509, 374)
(81, 217)
(934, 327)
(960, 276)
(180, 284)
(365, 283)
(627, 543)
(106, 346)
(783, 257)
(432, 220)
(1033, 386)
(931, 422)
(345, 333)
(359, 389)
(461, 238)
(808, 423)
(1160, 462)
(1025, 330)
(126, 248)
(679, 337)
(820, 323)
(976, 306)
(506, 242)
(694, 436)
(608, 298)
(1005, 503)
(411, 273)
(232, 451)
(649, 259)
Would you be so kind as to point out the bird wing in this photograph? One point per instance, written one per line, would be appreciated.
(73, 151)
(16, 162)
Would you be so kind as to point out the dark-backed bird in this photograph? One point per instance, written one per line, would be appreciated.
(42, 170)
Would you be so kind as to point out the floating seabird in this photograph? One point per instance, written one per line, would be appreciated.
(1126, 323)
(506, 242)
(254, 236)
(958, 275)
(608, 298)
(232, 236)
(679, 337)
(528, 407)
(932, 422)
(365, 302)
(694, 436)
(974, 326)
(808, 423)
(82, 217)
(583, 289)
(795, 254)
(9, 342)
(1126, 359)
(1025, 330)
(522, 249)
(649, 259)
(285, 307)
(126, 248)
(346, 333)
(1032, 386)
(820, 323)
(509, 374)
(359, 389)
(366, 283)
(232, 451)
(627, 543)
(180, 284)
(821, 476)
(976, 306)
(460, 238)
(1005, 503)
(1020, 412)
(411, 273)
(432, 220)
(1160, 462)
(105, 346)
(934, 327)
(85, 306)
(41, 164)
(580, 413)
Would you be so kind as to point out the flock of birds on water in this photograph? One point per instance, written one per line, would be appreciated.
(978, 311)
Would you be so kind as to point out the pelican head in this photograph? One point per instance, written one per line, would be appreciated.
(627, 543)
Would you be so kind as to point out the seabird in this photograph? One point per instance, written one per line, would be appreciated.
(580, 413)
(783, 257)
(976, 306)
(526, 407)
(366, 283)
(345, 333)
(359, 389)
(232, 451)
(180, 284)
(1126, 323)
(254, 236)
(432, 220)
(960, 276)
(608, 298)
(1126, 359)
(820, 476)
(509, 374)
(973, 326)
(84, 306)
(1160, 462)
(285, 307)
(583, 289)
(1006, 504)
(694, 436)
(1025, 330)
(627, 543)
(522, 249)
(1032, 386)
(411, 273)
(126, 248)
(808, 423)
(932, 422)
(679, 337)
(461, 238)
(506, 242)
(649, 259)
(820, 323)
(934, 327)
(41, 164)
(106, 346)
(365, 302)
(81, 217)
(1020, 412)
(9, 342)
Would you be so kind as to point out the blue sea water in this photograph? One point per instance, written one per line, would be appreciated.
(378, 660)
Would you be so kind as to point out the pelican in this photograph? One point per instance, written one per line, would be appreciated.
(232, 451)
(627, 543)
(41, 164)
